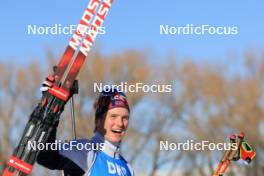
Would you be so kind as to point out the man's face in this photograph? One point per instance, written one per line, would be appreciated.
(113, 126)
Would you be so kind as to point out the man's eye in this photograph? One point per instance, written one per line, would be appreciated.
(125, 118)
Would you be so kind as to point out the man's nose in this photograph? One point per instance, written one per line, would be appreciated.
(119, 122)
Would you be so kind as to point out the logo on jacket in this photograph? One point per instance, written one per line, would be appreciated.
(114, 168)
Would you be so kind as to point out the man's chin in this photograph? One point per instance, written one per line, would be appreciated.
(117, 138)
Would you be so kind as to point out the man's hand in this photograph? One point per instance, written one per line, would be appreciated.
(47, 84)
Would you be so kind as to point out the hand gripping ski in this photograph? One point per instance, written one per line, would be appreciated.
(46, 114)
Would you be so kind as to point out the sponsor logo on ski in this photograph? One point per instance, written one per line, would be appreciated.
(97, 23)
(20, 165)
(84, 23)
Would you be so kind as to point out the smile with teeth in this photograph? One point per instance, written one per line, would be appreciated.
(117, 131)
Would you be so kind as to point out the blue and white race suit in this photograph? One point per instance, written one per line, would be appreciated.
(103, 158)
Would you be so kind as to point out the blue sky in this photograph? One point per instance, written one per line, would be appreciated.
(134, 24)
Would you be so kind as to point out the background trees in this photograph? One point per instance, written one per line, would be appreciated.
(208, 101)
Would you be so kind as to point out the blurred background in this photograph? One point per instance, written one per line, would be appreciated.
(217, 80)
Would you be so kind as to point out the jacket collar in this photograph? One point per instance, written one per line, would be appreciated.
(111, 149)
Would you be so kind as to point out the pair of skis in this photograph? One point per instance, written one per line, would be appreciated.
(47, 112)
(242, 150)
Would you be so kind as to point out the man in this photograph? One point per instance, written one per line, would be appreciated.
(111, 122)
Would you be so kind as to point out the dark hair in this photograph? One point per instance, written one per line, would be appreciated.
(100, 111)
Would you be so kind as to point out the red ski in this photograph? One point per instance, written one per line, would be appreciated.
(48, 110)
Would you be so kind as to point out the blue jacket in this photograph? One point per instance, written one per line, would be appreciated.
(89, 157)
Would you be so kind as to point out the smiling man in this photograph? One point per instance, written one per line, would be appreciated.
(111, 122)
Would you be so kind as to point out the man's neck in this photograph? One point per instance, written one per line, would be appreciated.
(110, 148)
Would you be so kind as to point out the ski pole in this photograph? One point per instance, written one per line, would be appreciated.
(73, 119)
(234, 153)
(74, 90)
(225, 156)
(240, 139)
